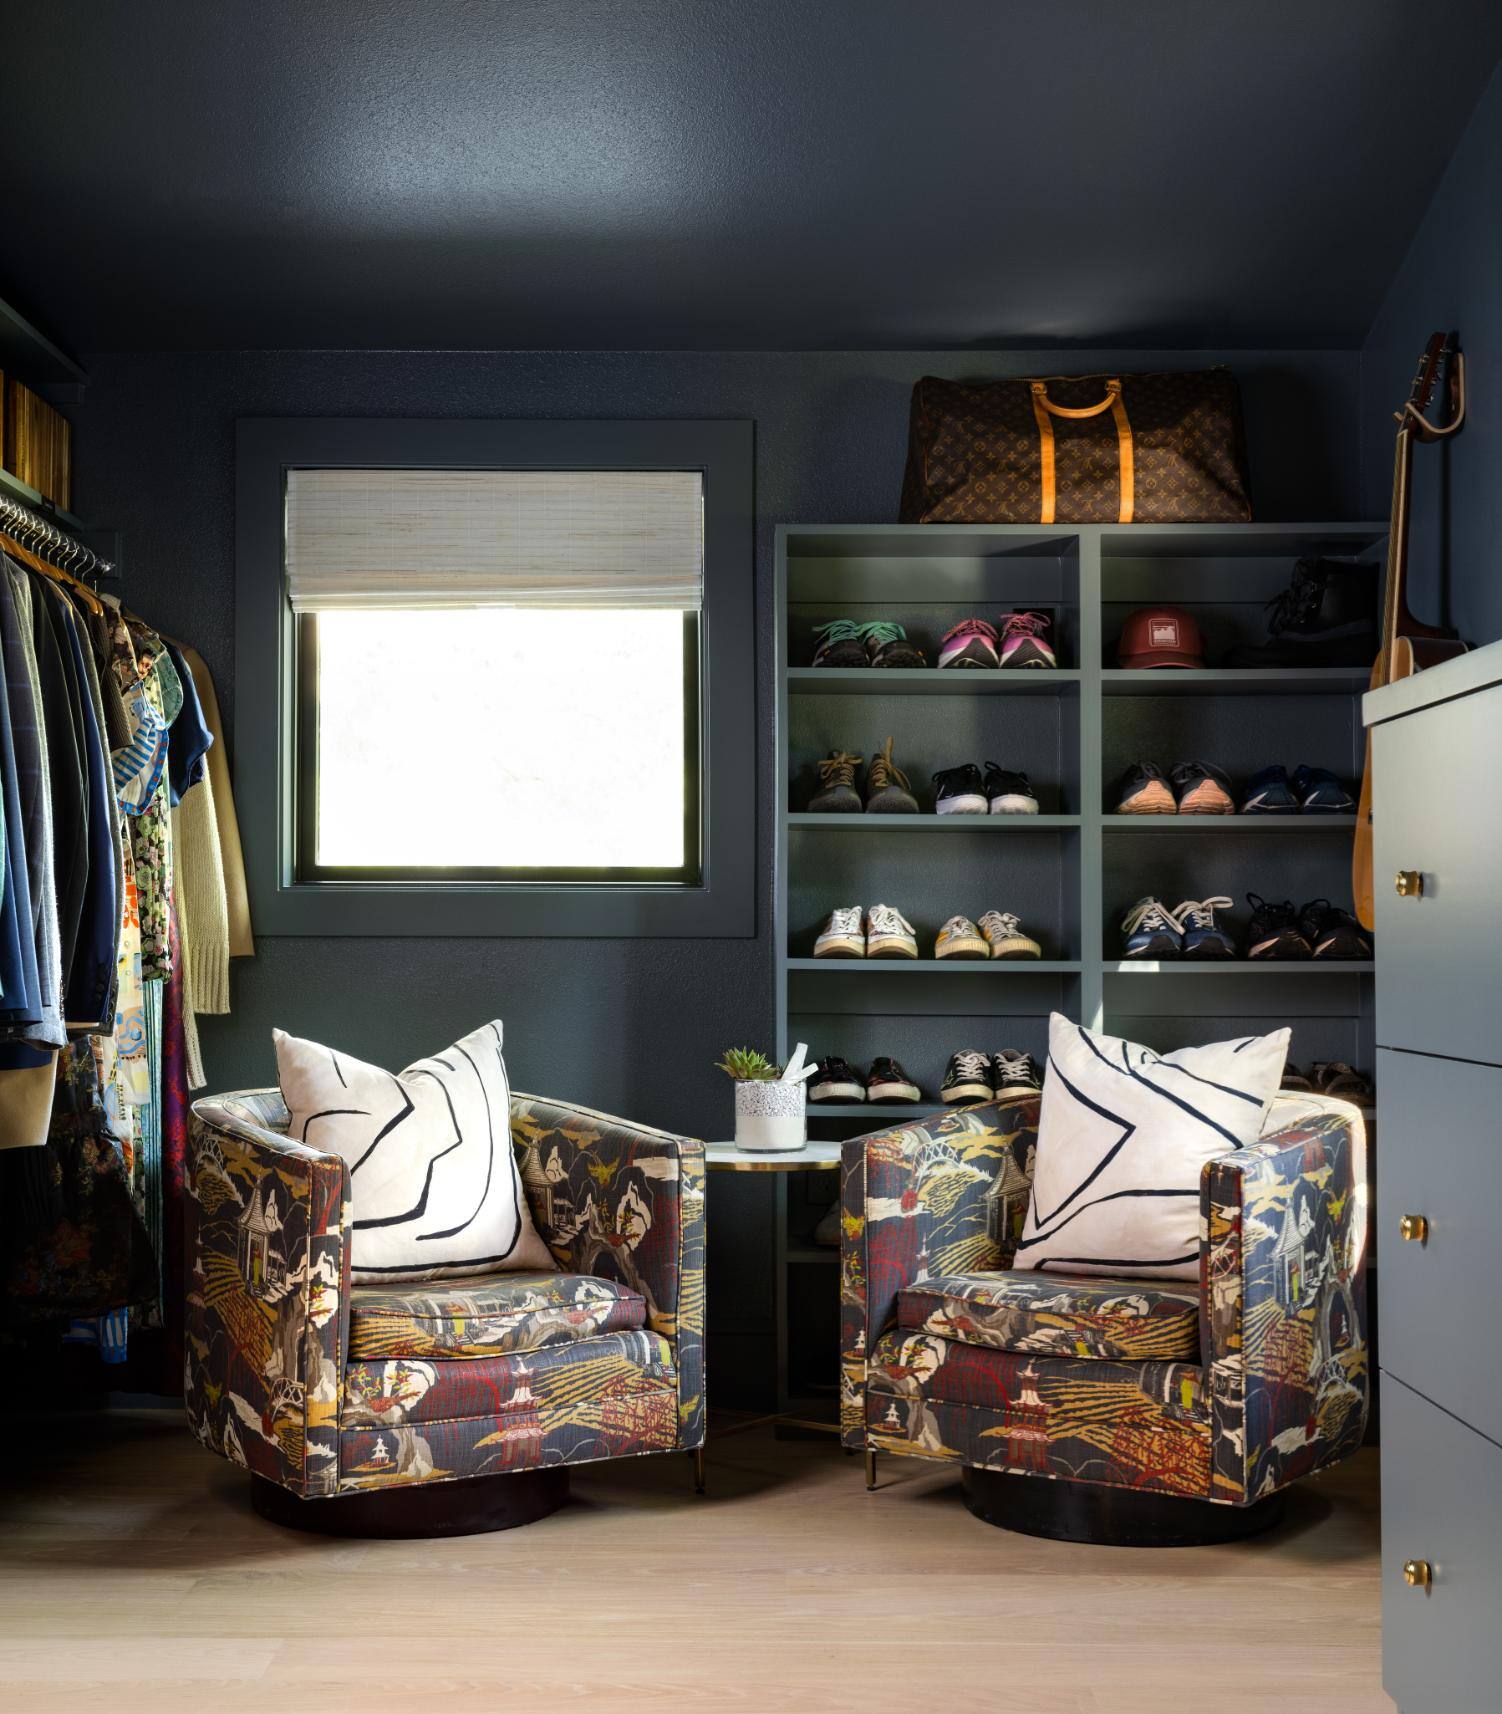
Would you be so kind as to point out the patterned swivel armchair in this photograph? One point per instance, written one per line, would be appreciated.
(374, 1409)
(1167, 1411)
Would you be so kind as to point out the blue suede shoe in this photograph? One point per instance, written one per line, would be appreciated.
(1269, 793)
(1320, 793)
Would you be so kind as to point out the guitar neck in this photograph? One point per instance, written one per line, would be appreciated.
(1395, 600)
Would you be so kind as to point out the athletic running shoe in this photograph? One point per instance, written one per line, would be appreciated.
(1203, 936)
(1003, 934)
(887, 645)
(1013, 1070)
(887, 1081)
(1145, 791)
(842, 935)
(1009, 793)
(889, 934)
(1319, 792)
(960, 938)
(887, 791)
(971, 643)
(837, 794)
(1024, 640)
(967, 1077)
(836, 1080)
(1333, 933)
(1275, 930)
(1269, 793)
(840, 644)
(1151, 930)
(959, 791)
(1201, 789)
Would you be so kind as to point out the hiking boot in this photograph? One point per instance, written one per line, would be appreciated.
(1151, 930)
(967, 1077)
(1008, 793)
(959, 791)
(1201, 789)
(960, 938)
(842, 935)
(1024, 640)
(1327, 617)
(1011, 1070)
(1203, 936)
(889, 934)
(1275, 930)
(836, 1080)
(837, 794)
(840, 644)
(887, 790)
(1319, 792)
(1003, 934)
(1144, 790)
(1333, 933)
(971, 643)
(887, 645)
(887, 1081)
(1269, 793)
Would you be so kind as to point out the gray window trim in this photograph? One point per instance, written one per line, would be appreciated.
(723, 904)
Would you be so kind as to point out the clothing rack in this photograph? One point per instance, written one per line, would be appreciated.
(51, 543)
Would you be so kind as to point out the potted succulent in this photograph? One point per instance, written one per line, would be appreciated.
(769, 1107)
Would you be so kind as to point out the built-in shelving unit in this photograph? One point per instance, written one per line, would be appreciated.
(1071, 872)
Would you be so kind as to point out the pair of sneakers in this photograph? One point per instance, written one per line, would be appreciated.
(874, 643)
(838, 1080)
(1019, 640)
(886, 793)
(1188, 788)
(1151, 930)
(999, 791)
(881, 932)
(998, 934)
(1316, 930)
(1306, 791)
(1329, 1077)
(975, 1076)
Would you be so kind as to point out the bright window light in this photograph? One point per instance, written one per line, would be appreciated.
(501, 738)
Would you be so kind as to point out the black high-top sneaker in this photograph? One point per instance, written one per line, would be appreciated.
(1327, 617)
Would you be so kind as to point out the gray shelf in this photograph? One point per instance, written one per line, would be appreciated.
(874, 1110)
(1345, 824)
(1234, 681)
(852, 823)
(938, 966)
(1237, 967)
(931, 681)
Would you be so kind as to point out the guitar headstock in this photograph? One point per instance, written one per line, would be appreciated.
(1426, 376)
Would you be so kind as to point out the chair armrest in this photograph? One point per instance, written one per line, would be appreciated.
(1283, 1299)
(944, 1195)
(267, 1319)
(624, 1202)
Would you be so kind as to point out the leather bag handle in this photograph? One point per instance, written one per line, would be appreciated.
(1040, 396)
(1044, 409)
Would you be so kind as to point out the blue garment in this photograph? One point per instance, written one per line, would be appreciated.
(189, 740)
(22, 1004)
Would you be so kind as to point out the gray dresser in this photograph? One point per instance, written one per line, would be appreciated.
(1438, 865)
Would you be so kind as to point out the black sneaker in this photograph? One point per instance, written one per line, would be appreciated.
(887, 1081)
(1200, 788)
(1333, 933)
(967, 1077)
(1144, 790)
(837, 794)
(887, 645)
(1009, 793)
(1013, 1070)
(1275, 931)
(1327, 617)
(1269, 792)
(959, 791)
(836, 1080)
(887, 790)
(841, 643)
(1320, 793)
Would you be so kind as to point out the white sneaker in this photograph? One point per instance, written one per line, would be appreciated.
(889, 934)
(1003, 932)
(842, 936)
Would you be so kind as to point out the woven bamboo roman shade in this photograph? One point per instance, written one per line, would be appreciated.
(367, 539)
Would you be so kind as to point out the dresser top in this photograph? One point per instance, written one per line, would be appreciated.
(1464, 676)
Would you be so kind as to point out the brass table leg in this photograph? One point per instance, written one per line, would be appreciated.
(870, 1470)
(698, 1457)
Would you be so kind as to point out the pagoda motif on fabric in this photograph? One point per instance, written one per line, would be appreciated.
(263, 1263)
(1025, 1424)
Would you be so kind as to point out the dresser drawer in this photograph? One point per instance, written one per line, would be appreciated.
(1437, 812)
(1441, 1506)
(1439, 1156)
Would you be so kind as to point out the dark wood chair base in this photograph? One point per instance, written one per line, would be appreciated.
(1109, 1517)
(472, 1506)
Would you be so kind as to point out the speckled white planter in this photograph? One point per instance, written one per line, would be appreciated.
(769, 1117)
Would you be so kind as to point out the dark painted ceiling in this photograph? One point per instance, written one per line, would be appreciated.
(724, 173)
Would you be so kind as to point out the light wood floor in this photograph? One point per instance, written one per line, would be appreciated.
(134, 1576)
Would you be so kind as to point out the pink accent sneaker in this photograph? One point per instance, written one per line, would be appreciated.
(1024, 640)
(972, 643)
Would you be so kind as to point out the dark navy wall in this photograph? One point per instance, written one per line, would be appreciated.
(628, 1026)
(1450, 278)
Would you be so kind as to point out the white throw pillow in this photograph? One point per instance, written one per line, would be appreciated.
(1122, 1136)
(432, 1173)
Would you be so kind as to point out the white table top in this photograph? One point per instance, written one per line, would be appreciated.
(812, 1157)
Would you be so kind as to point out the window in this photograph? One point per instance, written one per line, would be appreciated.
(510, 663)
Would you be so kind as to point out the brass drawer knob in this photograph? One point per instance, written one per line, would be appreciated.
(1410, 883)
(1413, 1228)
(1418, 1573)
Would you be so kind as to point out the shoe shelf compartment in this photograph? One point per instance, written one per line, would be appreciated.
(930, 823)
(1216, 826)
(930, 681)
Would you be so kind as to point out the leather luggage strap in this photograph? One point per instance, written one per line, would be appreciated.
(1044, 410)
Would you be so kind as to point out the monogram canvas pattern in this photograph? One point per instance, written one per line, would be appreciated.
(974, 451)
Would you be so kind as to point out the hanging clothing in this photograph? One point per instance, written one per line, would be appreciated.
(190, 738)
(67, 763)
(237, 894)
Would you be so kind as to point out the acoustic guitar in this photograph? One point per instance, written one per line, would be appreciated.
(1408, 646)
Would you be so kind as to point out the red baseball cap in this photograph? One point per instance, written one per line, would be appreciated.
(1161, 637)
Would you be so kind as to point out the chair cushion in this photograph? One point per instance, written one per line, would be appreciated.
(1126, 1320)
(488, 1316)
